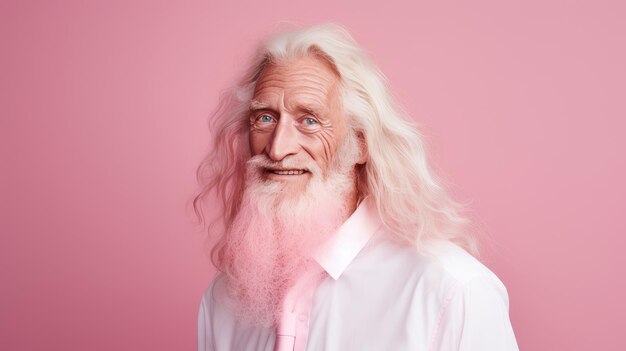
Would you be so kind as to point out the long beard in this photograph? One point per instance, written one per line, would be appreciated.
(271, 240)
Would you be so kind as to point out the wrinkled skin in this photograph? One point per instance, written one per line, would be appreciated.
(296, 115)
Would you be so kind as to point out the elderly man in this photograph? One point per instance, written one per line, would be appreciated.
(334, 234)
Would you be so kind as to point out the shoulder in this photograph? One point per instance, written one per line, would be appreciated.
(442, 290)
(459, 274)
(474, 308)
(214, 294)
(434, 275)
(205, 319)
(214, 313)
(206, 303)
(442, 266)
(458, 266)
(215, 304)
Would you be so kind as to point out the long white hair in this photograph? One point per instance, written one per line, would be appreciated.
(412, 203)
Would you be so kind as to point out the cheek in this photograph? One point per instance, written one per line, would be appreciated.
(322, 146)
(258, 141)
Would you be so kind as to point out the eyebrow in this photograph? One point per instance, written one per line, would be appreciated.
(256, 105)
(310, 108)
(313, 109)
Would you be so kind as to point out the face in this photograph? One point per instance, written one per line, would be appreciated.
(296, 118)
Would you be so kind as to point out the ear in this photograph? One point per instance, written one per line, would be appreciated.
(363, 154)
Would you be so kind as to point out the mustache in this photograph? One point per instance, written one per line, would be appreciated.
(262, 161)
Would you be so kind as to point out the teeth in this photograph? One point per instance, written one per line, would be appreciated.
(290, 172)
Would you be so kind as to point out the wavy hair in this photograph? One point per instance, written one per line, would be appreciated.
(411, 201)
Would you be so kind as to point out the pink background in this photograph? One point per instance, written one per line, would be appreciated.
(103, 121)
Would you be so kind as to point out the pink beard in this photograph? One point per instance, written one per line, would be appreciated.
(270, 243)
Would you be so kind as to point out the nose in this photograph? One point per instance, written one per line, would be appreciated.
(284, 140)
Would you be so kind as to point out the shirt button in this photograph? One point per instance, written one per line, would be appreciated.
(302, 317)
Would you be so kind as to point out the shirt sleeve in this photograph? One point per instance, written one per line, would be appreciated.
(476, 318)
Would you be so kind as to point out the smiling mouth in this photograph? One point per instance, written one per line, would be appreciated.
(287, 171)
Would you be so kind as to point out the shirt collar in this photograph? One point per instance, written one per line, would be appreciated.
(336, 254)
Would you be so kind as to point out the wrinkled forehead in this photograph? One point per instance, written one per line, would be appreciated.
(308, 78)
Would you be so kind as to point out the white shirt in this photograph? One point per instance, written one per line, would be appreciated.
(378, 295)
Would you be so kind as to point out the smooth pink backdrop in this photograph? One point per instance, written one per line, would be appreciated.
(103, 121)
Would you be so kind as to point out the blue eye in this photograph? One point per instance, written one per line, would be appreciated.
(265, 118)
(310, 121)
